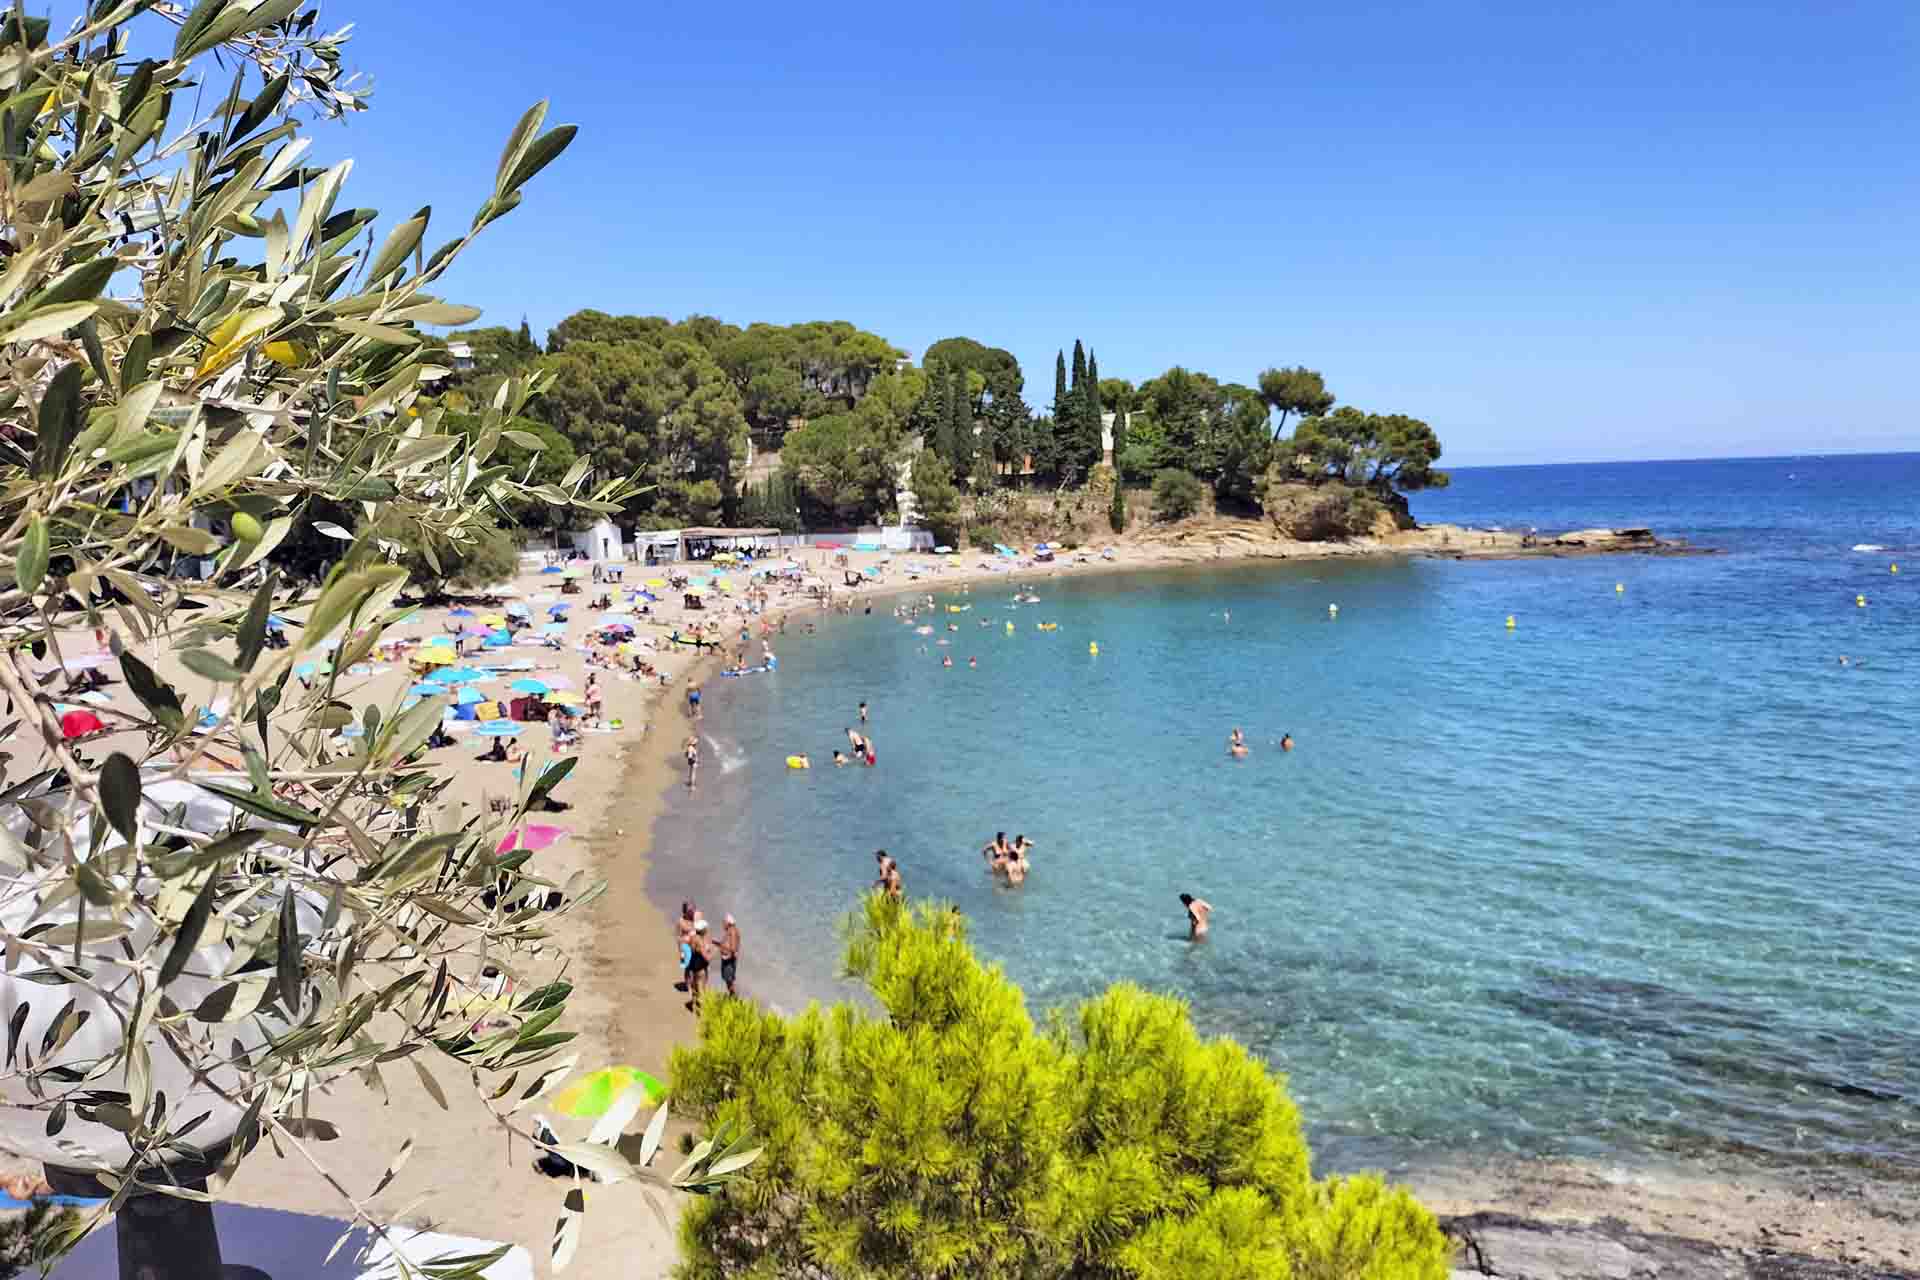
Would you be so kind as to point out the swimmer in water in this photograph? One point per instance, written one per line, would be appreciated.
(863, 713)
(947, 661)
(1237, 745)
(859, 743)
(839, 759)
(973, 662)
(1286, 742)
(1198, 910)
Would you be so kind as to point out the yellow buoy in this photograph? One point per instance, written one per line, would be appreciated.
(1094, 648)
(1893, 569)
(1009, 628)
(1510, 622)
(1859, 602)
(1619, 588)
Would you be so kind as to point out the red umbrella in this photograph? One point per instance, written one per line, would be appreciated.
(533, 836)
(78, 724)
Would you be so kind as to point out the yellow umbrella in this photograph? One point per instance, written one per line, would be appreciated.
(434, 655)
(656, 582)
(492, 619)
(565, 697)
(725, 584)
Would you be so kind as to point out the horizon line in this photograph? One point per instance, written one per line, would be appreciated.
(1736, 457)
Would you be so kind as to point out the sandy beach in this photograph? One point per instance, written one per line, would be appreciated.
(468, 1176)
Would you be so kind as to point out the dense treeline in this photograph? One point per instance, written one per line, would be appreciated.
(688, 406)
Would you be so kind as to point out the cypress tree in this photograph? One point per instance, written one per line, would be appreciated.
(1062, 407)
(959, 424)
(1092, 409)
(1117, 509)
(528, 347)
(1079, 368)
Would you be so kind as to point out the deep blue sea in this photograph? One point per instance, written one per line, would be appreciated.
(1640, 876)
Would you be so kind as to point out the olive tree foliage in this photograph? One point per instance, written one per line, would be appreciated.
(944, 1134)
(195, 326)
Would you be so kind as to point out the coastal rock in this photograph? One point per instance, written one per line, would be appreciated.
(1517, 1248)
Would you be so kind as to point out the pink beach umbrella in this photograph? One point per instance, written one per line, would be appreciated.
(533, 836)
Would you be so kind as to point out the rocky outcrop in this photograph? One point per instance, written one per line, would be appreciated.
(1330, 512)
(1517, 1248)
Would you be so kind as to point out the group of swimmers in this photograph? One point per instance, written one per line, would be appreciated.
(1237, 746)
(1008, 861)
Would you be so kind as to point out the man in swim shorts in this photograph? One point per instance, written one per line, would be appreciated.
(729, 953)
(697, 965)
(693, 701)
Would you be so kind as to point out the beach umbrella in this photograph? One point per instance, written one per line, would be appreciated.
(516, 609)
(463, 675)
(497, 728)
(593, 1093)
(527, 684)
(534, 836)
(552, 568)
(470, 695)
(565, 697)
(432, 655)
(460, 613)
(78, 724)
(409, 619)
(427, 689)
(554, 629)
(649, 597)
(476, 630)
(493, 619)
(555, 610)
(656, 582)
(303, 669)
(447, 640)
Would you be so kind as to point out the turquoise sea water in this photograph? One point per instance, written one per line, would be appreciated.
(1639, 876)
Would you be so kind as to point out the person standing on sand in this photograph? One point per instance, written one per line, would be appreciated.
(1198, 909)
(729, 953)
(693, 701)
(697, 965)
(693, 759)
(683, 935)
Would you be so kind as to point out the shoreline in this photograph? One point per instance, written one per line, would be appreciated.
(1669, 1218)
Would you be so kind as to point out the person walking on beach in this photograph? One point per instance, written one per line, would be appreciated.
(693, 759)
(693, 701)
(729, 953)
(593, 696)
(1198, 909)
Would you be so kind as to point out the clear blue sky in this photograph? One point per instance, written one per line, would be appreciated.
(1606, 231)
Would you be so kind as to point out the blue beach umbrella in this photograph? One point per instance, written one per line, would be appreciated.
(460, 613)
(555, 610)
(554, 629)
(470, 695)
(516, 610)
(439, 639)
(303, 669)
(427, 689)
(497, 729)
(553, 568)
(527, 684)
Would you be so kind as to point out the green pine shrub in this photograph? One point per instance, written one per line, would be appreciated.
(941, 1133)
(1176, 494)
